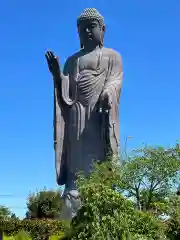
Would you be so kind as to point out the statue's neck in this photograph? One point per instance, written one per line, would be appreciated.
(91, 48)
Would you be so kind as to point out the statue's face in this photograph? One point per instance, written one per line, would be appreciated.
(90, 33)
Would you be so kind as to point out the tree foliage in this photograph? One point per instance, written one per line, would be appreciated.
(150, 176)
(106, 214)
(36, 229)
(44, 204)
(119, 201)
(173, 222)
(5, 213)
(125, 201)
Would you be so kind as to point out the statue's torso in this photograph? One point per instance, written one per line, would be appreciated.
(88, 71)
(85, 143)
(90, 60)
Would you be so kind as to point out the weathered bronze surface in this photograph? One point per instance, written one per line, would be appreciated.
(86, 104)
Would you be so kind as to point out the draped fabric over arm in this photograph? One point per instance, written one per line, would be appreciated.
(59, 138)
(61, 99)
(113, 86)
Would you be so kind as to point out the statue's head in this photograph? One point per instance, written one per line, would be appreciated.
(91, 28)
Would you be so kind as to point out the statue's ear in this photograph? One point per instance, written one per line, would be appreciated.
(104, 28)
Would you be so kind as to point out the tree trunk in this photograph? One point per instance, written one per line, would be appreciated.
(1, 235)
(150, 195)
(138, 199)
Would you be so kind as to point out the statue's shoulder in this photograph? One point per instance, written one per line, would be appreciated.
(71, 62)
(74, 56)
(112, 53)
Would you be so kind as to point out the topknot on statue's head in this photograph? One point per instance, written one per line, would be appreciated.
(91, 14)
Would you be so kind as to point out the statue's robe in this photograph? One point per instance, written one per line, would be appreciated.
(81, 131)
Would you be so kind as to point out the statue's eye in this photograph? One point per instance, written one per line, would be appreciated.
(93, 25)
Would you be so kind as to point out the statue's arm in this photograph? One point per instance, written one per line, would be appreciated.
(62, 82)
(113, 84)
(110, 97)
(114, 79)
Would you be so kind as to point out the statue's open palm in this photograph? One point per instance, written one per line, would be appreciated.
(53, 63)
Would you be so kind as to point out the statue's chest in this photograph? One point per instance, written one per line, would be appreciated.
(93, 61)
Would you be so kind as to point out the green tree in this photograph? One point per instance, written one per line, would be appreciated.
(14, 217)
(44, 204)
(5, 213)
(106, 214)
(151, 176)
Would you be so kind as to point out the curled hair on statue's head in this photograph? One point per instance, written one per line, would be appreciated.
(91, 14)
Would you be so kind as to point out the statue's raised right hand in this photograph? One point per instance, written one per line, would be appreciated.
(53, 63)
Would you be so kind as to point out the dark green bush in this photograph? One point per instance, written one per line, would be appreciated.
(37, 229)
(107, 214)
(44, 204)
(173, 223)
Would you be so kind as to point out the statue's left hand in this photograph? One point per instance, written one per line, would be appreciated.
(53, 63)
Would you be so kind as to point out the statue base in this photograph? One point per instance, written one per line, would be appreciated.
(71, 205)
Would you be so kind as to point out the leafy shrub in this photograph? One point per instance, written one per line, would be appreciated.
(4, 213)
(173, 223)
(37, 229)
(44, 204)
(106, 214)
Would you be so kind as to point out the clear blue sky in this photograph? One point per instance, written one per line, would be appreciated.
(146, 33)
